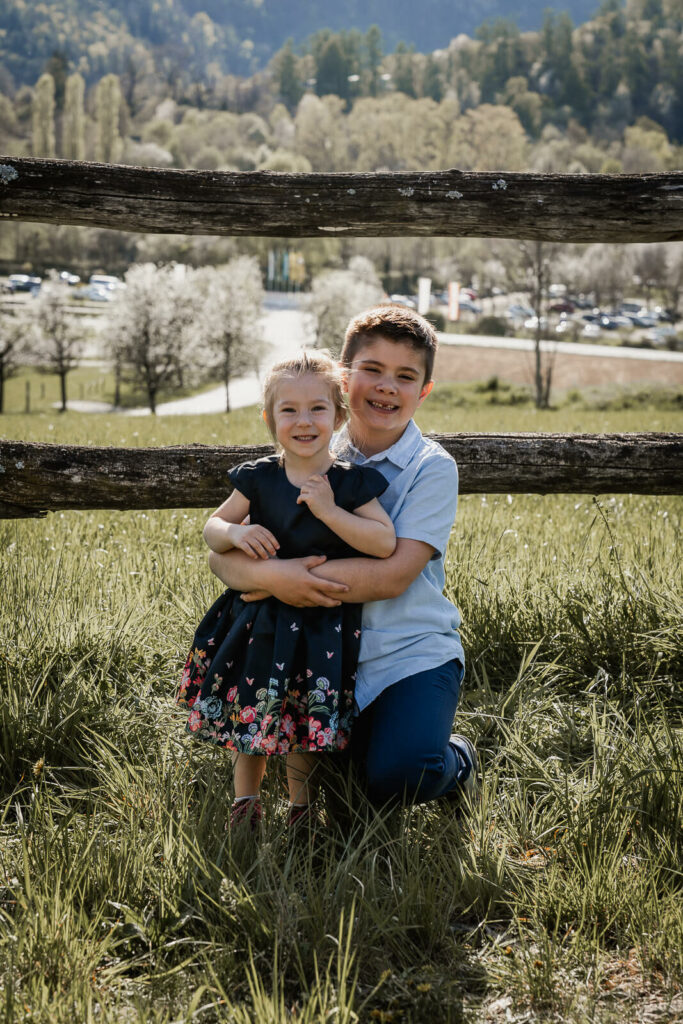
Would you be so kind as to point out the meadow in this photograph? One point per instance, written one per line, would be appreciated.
(557, 897)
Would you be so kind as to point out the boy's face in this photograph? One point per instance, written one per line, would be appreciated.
(385, 384)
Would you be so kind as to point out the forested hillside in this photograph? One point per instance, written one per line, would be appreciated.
(603, 96)
(241, 35)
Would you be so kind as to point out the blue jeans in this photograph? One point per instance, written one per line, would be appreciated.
(399, 743)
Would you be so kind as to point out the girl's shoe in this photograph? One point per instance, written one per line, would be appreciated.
(303, 819)
(246, 813)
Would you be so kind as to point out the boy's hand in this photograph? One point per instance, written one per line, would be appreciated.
(318, 495)
(292, 582)
(255, 541)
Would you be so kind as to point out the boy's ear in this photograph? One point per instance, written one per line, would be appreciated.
(344, 372)
(265, 418)
(426, 390)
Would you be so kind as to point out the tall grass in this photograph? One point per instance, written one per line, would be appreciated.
(557, 897)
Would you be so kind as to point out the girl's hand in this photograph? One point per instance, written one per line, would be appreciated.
(318, 495)
(255, 541)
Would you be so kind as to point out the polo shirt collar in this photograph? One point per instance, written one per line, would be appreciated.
(400, 453)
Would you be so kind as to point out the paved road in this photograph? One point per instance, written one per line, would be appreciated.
(572, 348)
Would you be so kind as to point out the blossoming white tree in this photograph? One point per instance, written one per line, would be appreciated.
(57, 341)
(153, 333)
(336, 296)
(229, 320)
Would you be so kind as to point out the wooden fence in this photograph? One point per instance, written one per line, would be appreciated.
(548, 207)
(36, 478)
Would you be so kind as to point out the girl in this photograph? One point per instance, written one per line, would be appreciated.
(264, 677)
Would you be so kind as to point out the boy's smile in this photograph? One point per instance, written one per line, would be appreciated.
(385, 384)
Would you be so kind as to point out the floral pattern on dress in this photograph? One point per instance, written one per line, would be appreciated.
(264, 677)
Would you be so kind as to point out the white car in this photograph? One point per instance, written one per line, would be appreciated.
(107, 281)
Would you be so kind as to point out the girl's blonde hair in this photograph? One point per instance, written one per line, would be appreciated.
(314, 361)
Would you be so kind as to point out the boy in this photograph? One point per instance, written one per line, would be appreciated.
(411, 660)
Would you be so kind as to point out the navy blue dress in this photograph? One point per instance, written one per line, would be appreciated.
(264, 677)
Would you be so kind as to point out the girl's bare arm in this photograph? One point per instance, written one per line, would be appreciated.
(224, 530)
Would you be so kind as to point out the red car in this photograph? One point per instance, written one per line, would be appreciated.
(562, 306)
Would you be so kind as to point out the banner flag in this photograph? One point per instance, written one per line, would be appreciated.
(454, 300)
(424, 294)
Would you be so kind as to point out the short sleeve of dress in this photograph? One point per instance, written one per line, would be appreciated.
(245, 478)
(360, 485)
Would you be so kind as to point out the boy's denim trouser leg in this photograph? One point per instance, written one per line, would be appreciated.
(400, 741)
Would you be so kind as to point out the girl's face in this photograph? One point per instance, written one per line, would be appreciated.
(304, 415)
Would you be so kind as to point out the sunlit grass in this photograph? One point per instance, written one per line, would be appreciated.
(450, 407)
(557, 898)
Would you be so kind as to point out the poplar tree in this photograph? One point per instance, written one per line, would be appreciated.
(73, 135)
(43, 116)
(108, 142)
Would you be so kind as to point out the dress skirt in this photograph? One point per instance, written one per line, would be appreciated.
(267, 678)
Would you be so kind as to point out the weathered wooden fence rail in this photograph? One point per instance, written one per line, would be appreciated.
(549, 207)
(37, 478)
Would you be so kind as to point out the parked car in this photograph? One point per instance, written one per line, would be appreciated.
(468, 306)
(608, 323)
(107, 281)
(519, 312)
(642, 319)
(24, 283)
(562, 306)
(532, 323)
(619, 321)
(630, 307)
(71, 279)
(591, 331)
(403, 300)
(93, 293)
(661, 337)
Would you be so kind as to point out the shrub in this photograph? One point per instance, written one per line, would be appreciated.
(494, 325)
(437, 319)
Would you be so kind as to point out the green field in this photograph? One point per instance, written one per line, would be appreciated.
(558, 898)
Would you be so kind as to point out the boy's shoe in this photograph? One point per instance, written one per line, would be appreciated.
(246, 813)
(469, 786)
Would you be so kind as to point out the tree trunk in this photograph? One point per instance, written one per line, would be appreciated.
(2, 386)
(226, 377)
(541, 399)
(62, 387)
(152, 398)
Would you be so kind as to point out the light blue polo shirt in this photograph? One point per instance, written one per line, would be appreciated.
(419, 629)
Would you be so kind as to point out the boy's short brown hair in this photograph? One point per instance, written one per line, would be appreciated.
(397, 323)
